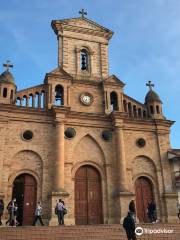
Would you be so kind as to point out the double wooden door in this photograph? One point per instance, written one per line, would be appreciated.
(144, 194)
(25, 191)
(88, 196)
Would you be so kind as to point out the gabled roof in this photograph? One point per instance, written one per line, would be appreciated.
(173, 153)
(59, 72)
(80, 23)
(113, 80)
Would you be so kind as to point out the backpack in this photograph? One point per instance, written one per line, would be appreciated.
(126, 223)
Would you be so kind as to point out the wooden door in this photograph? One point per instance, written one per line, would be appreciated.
(144, 194)
(88, 198)
(30, 190)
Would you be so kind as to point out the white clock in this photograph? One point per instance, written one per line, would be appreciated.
(86, 98)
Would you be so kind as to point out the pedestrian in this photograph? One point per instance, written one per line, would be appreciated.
(1, 210)
(129, 226)
(64, 208)
(178, 207)
(38, 214)
(132, 209)
(59, 209)
(12, 210)
(151, 211)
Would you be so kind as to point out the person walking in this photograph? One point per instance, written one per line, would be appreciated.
(129, 226)
(38, 214)
(12, 210)
(60, 212)
(151, 211)
(132, 209)
(1, 210)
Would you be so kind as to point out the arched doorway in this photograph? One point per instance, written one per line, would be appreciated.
(88, 196)
(25, 192)
(144, 194)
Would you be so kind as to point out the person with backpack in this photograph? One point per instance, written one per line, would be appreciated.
(129, 226)
(59, 210)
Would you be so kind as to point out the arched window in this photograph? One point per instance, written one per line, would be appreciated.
(24, 101)
(151, 109)
(114, 101)
(130, 109)
(139, 112)
(18, 101)
(30, 100)
(84, 60)
(5, 92)
(125, 105)
(157, 109)
(59, 96)
(144, 114)
(12, 93)
(134, 111)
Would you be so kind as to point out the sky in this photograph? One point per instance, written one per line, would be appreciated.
(145, 45)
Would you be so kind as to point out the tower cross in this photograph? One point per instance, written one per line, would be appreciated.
(82, 12)
(7, 65)
(150, 85)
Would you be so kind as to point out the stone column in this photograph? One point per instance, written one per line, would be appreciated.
(59, 158)
(33, 100)
(121, 161)
(27, 101)
(39, 100)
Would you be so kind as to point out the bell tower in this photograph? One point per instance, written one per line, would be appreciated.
(7, 86)
(82, 47)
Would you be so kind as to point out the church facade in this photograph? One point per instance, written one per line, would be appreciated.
(80, 138)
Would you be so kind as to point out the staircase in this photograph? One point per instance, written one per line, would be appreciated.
(86, 232)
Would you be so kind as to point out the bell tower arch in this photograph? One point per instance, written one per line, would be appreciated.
(81, 31)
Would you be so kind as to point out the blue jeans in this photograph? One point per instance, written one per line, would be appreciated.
(60, 217)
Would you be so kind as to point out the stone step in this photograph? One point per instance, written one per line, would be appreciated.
(85, 232)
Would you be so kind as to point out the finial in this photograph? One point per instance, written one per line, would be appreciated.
(82, 12)
(7, 65)
(150, 85)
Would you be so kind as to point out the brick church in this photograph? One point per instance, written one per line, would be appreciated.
(79, 137)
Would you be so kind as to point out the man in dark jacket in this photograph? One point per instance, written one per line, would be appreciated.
(129, 226)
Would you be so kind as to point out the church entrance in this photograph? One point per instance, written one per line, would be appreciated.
(25, 191)
(88, 196)
(144, 194)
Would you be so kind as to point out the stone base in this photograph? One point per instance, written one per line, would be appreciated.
(124, 200)
(55, 196)
(171, 206)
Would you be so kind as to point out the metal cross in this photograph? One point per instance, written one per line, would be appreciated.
(150, 85)
(7, 65)
(82, 12)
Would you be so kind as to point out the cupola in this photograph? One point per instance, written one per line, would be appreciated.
(153, 103)
(7, 86)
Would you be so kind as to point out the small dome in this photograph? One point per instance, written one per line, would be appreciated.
(152, 96)
(7, 77)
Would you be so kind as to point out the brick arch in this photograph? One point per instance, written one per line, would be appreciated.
(89, 163)
(28, 162)
(143, 166)
(92, 150)
(14, 175)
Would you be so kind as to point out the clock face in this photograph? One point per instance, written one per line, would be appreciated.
(86, 98)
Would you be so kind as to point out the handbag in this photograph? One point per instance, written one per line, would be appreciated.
(56, 210)
(64, 211)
